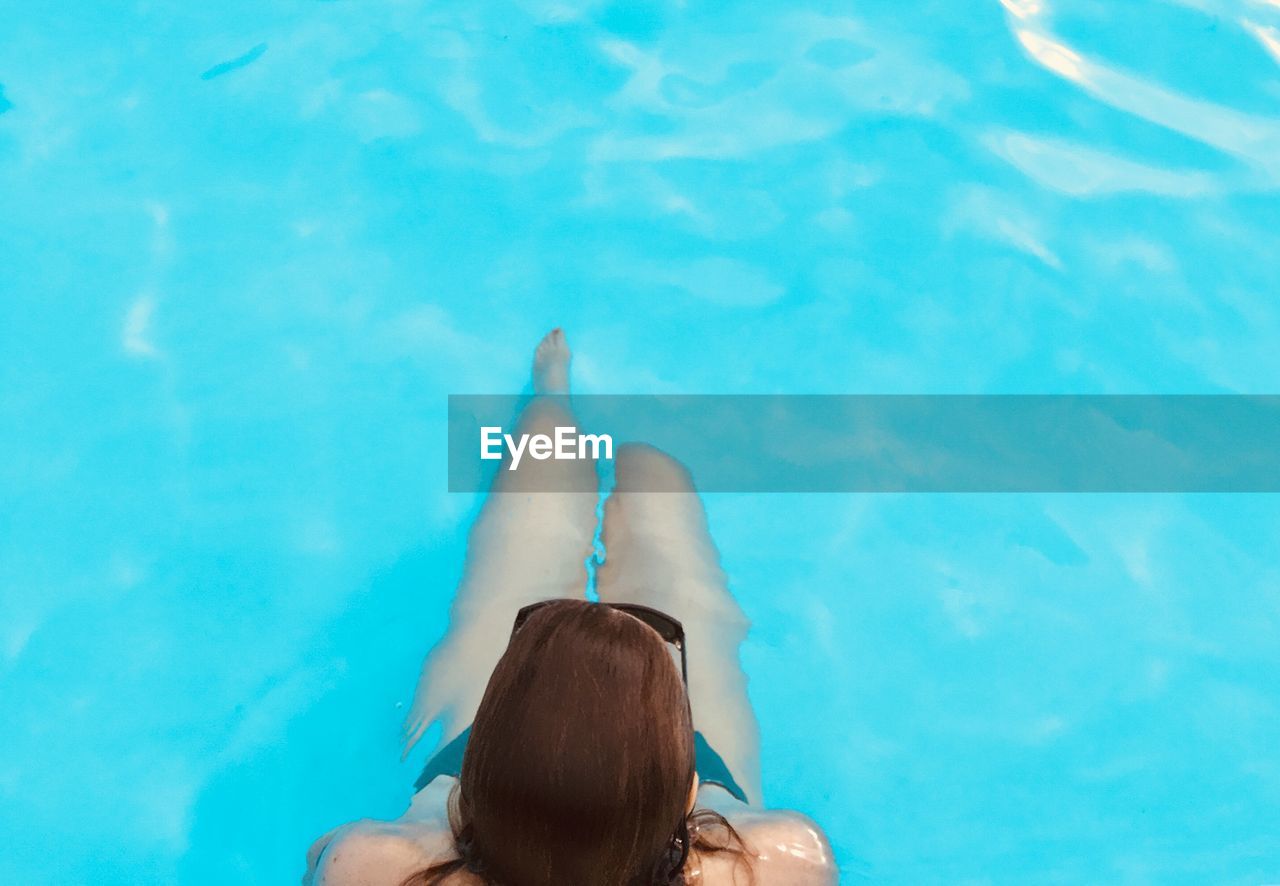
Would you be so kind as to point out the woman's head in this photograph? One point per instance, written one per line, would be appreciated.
(580, 762)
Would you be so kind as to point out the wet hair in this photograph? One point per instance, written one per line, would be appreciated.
(580, 762)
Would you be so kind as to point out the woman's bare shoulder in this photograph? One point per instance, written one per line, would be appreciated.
(381, 853)
(791, 849)
(786, 849)
(365, 853)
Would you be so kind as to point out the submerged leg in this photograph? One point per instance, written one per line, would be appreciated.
(526, 545)
(659, 552)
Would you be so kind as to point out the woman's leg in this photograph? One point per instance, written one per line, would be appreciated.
(526, 545)
(659, 552)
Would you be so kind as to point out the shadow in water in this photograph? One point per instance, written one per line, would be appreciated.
(339, 757)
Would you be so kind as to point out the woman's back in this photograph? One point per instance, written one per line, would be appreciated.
(782, 849)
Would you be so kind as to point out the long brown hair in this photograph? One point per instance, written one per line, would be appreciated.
(580, 762)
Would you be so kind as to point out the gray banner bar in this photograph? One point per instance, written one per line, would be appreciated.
(891, 443)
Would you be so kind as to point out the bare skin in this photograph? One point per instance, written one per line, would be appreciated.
(659, 552)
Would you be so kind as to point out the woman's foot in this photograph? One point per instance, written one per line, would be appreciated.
(551, 364)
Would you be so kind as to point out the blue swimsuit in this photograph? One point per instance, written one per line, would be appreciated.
(709, 765)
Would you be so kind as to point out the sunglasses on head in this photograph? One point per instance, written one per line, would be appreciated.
(667, 627)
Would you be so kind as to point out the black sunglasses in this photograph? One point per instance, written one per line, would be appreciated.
(667, 627)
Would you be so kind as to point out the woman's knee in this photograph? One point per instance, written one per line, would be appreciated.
(640, 467)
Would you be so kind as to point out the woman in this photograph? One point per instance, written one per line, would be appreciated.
(588, 756)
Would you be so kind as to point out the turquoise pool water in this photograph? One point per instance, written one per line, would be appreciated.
(246, 249)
